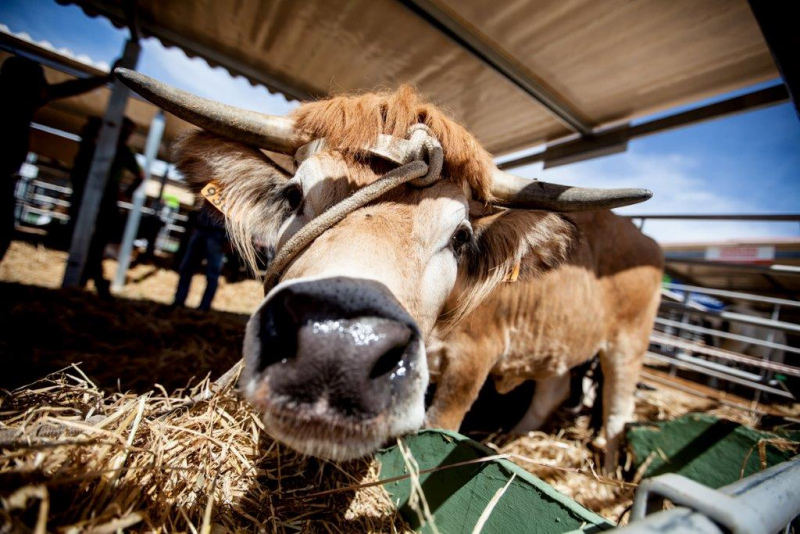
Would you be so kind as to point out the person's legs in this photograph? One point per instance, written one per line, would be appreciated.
(214, 257)
(186, 270)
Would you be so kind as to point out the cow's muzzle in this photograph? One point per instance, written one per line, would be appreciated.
(336, 366)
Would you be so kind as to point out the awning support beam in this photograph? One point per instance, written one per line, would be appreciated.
(573, 150)
(493, 56)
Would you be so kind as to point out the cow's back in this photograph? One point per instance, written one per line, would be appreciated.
(550, 324)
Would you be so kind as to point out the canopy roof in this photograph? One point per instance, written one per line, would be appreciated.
(600, 63)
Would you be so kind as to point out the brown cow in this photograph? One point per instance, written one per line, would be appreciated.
(602, 300)
(391, 203)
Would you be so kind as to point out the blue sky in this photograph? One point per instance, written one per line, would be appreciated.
(749, 163)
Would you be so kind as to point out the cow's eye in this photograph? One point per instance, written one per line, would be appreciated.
(293, 195)
(461, 237)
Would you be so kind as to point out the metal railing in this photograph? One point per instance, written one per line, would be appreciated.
(680, 344)
(46, 199)
(765, 502)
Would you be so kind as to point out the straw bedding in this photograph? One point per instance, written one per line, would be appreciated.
(118, 443)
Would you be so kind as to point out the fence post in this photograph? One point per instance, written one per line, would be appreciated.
(134, 216)
(99, 171)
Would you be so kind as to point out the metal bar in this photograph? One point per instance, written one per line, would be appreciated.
(52, 187)
(132, 224)
(99, 171)
(675, 341)
(727, 335)
(731, 294)
(54, 214)
(714, 366)
(744, 267)
(770, 96)
(790, 217)
(493, 56)
(50, 200)
(129, 206)
(48, 58)
(764, 502)
(738, 317)
(716, 374)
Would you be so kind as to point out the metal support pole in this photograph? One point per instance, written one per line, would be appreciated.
(134, 216)
(99, 171)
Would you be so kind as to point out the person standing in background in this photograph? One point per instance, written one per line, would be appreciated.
(108, 220)
(23, 90)
(207, 241)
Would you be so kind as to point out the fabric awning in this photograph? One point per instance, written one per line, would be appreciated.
(609, 61)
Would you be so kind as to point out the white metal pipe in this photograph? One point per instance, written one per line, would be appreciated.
(764, 502)
(674, 341)
(134, 216)
(725, 376)
(727, 335)
(730, 294)
(731, 316)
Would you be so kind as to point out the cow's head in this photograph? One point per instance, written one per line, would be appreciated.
(335, 355)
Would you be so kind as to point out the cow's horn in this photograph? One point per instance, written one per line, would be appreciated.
(264, 131)
(515, 192)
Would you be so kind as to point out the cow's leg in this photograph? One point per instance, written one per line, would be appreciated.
(621, 363)
(549, 395)
(462, 376)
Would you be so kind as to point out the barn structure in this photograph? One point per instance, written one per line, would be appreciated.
(550, 81)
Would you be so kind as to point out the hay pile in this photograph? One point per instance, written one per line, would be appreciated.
(77, 459)
(162, 469)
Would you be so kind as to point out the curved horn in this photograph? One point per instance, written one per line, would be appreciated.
(515, 192)
(264, 131)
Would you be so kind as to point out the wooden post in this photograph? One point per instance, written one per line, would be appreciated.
(99, 171)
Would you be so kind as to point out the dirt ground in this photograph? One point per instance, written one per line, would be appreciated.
(136, 341)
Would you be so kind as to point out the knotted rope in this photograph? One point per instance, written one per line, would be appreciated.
(421, 161)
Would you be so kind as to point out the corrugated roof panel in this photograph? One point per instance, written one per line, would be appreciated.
(617, 59)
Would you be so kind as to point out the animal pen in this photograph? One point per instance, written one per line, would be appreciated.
(113, 421)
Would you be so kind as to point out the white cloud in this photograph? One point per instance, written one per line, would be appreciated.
(679, 187)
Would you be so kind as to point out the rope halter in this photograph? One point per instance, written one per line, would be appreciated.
(420, 158)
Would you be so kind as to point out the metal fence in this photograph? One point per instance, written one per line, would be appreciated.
(40, 203)
(690, 336)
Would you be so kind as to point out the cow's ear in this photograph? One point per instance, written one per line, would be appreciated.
(238, 182)
(519, 245)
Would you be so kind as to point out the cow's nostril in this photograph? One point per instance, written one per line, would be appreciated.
(278, 337)
(388, 361)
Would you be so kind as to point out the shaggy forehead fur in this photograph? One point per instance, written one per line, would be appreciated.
(353, 121)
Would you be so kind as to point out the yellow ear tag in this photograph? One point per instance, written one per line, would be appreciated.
(214, 194)
(512, 277)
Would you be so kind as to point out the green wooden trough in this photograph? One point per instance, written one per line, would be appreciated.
(457, 496)
(458, 489)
